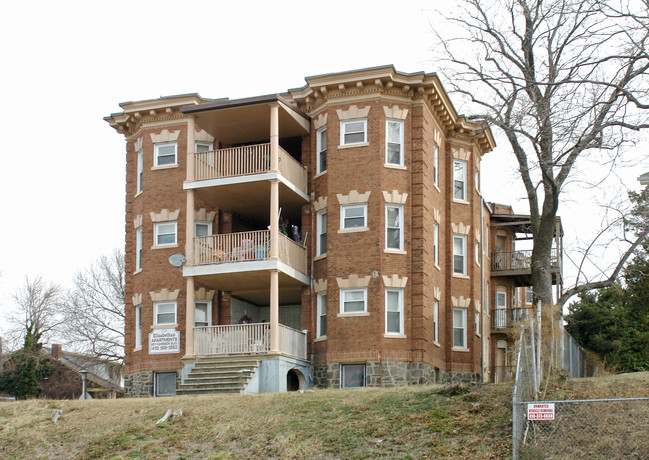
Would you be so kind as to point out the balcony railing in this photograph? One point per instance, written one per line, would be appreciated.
(247, 160)
(503, 318)
(240, 339)
(516, 260)
(247, 246)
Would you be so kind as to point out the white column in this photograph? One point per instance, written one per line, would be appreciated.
(274, 311)
(189, 319)
(189, 239)
(274, 229)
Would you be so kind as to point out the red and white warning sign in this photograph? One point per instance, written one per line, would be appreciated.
(543, 411)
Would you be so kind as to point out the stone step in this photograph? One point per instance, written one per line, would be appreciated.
(206, 391)
(215, 379)
(227, 375)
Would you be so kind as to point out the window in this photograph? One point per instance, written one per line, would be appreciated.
(486, 300)
(353, 132)
(321, 141)
(165, 233)
(435, 164)
(459, 180)
(140, 170)
(459, 254)
(477, 323)
(165, 312)
(436, 321)
(138, 248)
(353, 216)
(202, 313)
(486, 240)
(202, 228)
(321, 224)
(165, 154)
(322, 315)
(353, 300)
(477, 179)
(394, 311)
(138, 327)
(436, 243)
(477, 253)
(394, 226)
(529, 295)
(202, 147)
(165, 383)
(394, 142)
(352, 375)
(459, 328)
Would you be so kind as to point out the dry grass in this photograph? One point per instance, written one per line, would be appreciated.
(412, 422)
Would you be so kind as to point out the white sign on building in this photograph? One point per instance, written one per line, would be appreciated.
(543, 411)
(163, 341)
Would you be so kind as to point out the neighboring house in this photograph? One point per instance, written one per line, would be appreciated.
(644, 179)
(103, 378)
(333, 237)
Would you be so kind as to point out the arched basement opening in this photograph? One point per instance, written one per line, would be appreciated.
(295, 380)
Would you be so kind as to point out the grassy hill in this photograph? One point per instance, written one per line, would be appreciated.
(410, 422)
(405, 422)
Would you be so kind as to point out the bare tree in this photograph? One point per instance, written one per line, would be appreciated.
(37, 307)
(94, 309)
(563, 80)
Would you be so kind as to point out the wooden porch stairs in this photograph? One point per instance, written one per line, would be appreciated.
(218, 375)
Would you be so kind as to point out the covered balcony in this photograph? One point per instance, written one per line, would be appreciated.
(247, 339)
(507, 318)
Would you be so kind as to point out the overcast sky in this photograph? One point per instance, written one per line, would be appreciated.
(67, 64)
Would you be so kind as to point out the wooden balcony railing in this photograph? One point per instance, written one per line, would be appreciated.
(247, 160)
(246, 246)
(503, 318)
(516, 260)
(238, 339)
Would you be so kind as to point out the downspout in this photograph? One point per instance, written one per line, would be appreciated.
(483, 361)
(381, 249)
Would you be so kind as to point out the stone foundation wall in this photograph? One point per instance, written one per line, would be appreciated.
(394, 374)
(142, 384)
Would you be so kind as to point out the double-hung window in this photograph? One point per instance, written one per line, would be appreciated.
(138, 327)
(501, 308)
(436, 243)
(321, 224)
(202, 313)
(435, 164)
(394, 226)
(321, 148)
(394, 311)
(165, 233)
(459, 180)
(200, 147)
(353, 216)
(459, 254)
(477, 322)
(353, 131)
(165, 313)
(394, 142)
(529, 295)
(165, 154)
(459, 328)
(353, 300)
(140, 169)
(202, 228)
(477, 252)
(138, 248)
(322, 315)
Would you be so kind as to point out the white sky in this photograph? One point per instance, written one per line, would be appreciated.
(66, 65)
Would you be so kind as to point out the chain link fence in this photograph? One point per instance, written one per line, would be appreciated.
(593, 429)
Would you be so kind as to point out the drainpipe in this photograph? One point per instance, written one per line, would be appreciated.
(483, 340)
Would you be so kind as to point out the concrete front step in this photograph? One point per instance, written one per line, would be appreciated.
(218, 375)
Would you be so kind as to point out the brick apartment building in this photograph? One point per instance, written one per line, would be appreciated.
(332, 236)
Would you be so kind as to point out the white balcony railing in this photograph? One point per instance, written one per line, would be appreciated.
(247, 160)
(247, 246)
(237, 339)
